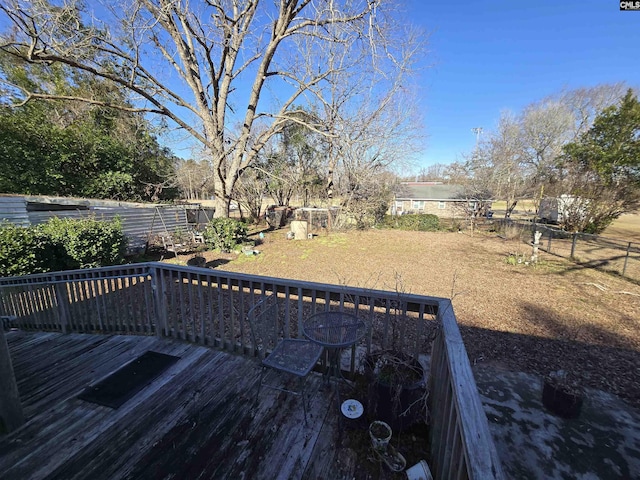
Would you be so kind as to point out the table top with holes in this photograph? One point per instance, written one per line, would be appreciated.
(334, 329)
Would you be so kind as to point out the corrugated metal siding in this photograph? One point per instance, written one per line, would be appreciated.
(138, 224)
(14, 210)
(139, 221)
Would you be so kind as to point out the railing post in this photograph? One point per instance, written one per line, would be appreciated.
(62, 299)
(573, 245)
(158, 292)
(11, 414)
(626, 259)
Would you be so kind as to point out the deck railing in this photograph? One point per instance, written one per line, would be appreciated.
(209, 307)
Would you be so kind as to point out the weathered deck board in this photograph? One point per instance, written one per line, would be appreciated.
(197, 420)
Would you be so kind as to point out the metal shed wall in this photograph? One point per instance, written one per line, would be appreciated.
(14, 210)
(138, 224)
(139, 221)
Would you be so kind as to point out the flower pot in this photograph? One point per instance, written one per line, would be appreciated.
(561, 402)
(380, 433)
(420, 471)
(397, 400)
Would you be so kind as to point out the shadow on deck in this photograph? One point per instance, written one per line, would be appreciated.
(197, 420)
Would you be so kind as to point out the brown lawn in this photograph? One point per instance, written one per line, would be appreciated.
(556, 315)
(627, 227)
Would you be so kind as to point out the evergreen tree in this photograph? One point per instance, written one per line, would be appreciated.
(602, 169)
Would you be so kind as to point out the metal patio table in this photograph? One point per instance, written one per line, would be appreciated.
(335, 331)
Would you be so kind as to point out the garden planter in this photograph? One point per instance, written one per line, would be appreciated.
(395, 398)
(561, 402)
(420, 471)
(380, 433)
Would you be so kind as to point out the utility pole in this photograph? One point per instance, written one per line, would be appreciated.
(477, 131)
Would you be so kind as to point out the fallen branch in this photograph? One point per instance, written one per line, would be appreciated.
(597, 285)
(628, 293)
(605, 289)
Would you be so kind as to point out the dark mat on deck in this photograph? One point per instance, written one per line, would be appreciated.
(124, 383)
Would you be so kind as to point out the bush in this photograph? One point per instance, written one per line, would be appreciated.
(60, 244)
(225, 233)
(86, 242)
(22, 250)
(420, 222)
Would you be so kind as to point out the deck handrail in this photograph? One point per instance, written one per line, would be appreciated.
(460, 427)
(209, 307)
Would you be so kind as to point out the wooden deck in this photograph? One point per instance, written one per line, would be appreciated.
(201, 419)
(197, 421)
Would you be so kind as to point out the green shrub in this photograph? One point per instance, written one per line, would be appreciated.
(86, 242)
(22, 250)
(420, 222)
(224, 233)
(60, 244)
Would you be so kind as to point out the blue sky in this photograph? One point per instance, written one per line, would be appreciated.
(489, 56)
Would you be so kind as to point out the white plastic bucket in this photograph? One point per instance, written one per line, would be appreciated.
(420, 471)
(380, 440)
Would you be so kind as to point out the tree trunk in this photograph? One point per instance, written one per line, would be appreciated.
(221, 206)
(332, 166)
(511, 204)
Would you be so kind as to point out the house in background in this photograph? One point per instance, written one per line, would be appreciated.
(437, 198)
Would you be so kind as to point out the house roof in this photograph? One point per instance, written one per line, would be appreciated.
(429, 191)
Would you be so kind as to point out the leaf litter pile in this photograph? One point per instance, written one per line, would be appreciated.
(538, 319)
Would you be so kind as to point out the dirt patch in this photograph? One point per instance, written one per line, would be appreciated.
(555, 315)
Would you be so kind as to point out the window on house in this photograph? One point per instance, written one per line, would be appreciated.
(418, 204)
(442, 205)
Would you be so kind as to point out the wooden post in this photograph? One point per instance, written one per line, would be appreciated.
(62, 298)
(11, 415)
(573, 245)
(626, 260)
(535, 245)
(159, 295)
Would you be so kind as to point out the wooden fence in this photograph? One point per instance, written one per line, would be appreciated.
(209, 307)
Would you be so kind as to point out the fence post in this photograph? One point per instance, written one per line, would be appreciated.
(626, 260)
(535, 246)
(550, 232)
(573, 245)
(158, 292)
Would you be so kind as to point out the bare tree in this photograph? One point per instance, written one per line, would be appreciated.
(457, 172)
(545, 127)
(206, 66)
(587, 102)
(194, 179)
(377, 129)
(522, 156)
(376, 140)
(292, 161)
(250, 191)
(498, 163)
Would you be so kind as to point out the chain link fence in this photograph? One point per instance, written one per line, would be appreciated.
(609, 254)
